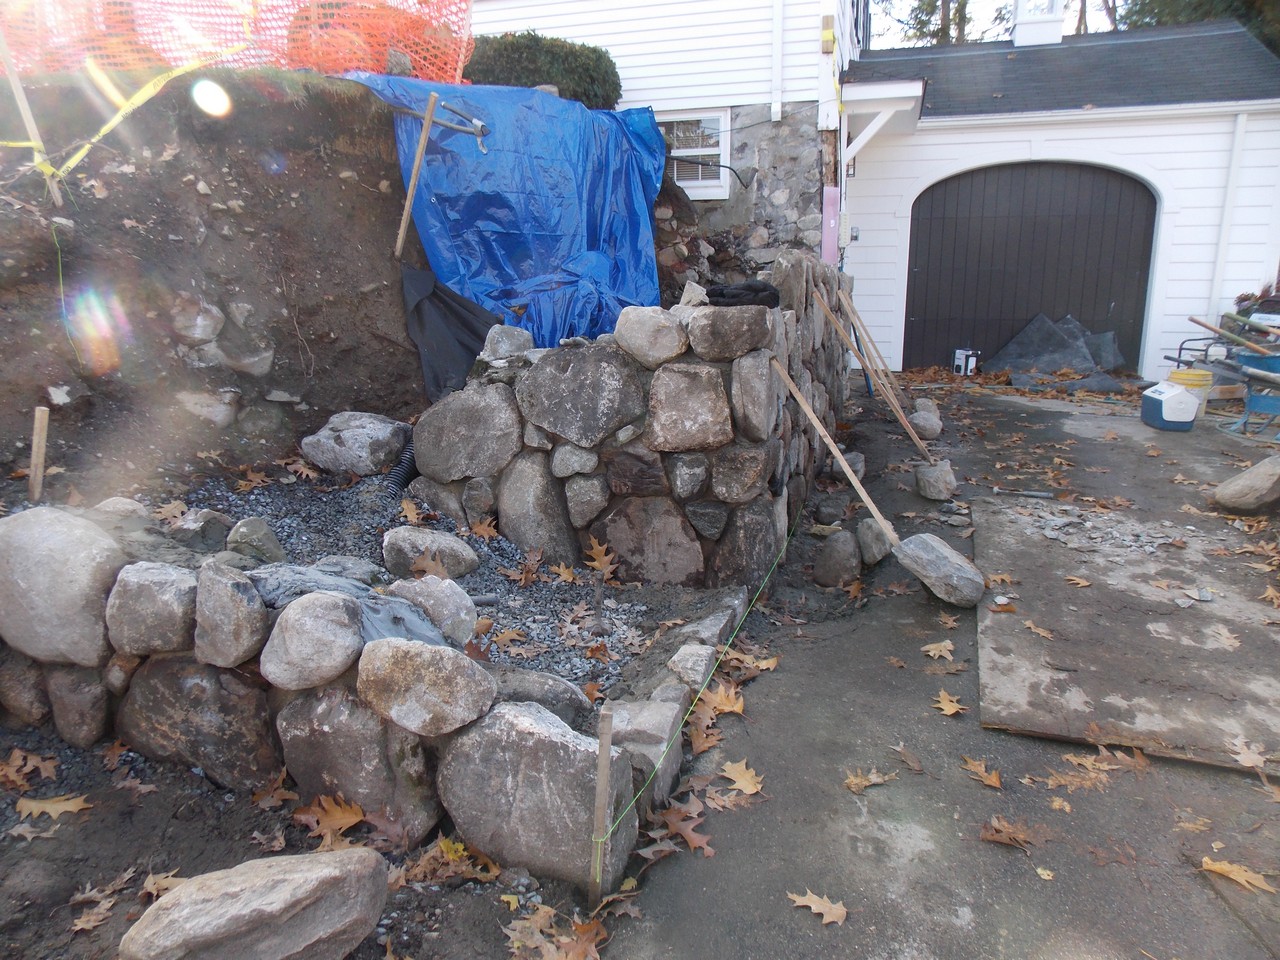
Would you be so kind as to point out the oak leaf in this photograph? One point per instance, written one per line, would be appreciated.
(601, 559)
(949, 620)
(1092, 764)
(1135, 761)
(854, 589)
(1242, 875)
(909, 759)
(28, 832)
(1272, 596)
(54, 807)
(156, 885)
(300, 468)
(485, 528)
(742, 777)
(273, 842)
(1000, 578)
(1038, 631)
(111, 755)
(507, 637)
(942, 648)
(429, 565)
(135, 787)
(896, 662)
(1060, 803)
(600, 651)
(94, 917)
(411, 513)
(1002, 608)
(822, 906)
(564, 573)
(171, 512)
(1248, 754)
(1073, 781)
(725, 698)
(252, 480)
(1078, 581)
(858, 782)
(593, 691)
(329, 817)
(947, 704)
(943, 669)
(275, 795)
(1020, 835)
(682, 819)
(978, 771)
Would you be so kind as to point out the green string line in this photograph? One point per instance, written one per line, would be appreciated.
(62, 295)
(599, 841)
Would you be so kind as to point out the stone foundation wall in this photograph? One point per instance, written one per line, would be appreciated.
(672, 440)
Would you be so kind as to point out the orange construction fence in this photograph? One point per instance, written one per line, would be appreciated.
(428, 39)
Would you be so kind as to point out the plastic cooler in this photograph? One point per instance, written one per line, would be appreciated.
(1167, 406)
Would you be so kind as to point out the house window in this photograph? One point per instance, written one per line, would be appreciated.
(699, 152)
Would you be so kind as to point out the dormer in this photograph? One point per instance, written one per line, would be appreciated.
(1037, 22)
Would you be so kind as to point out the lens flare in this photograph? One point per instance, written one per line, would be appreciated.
(98, 327)
(211, 98)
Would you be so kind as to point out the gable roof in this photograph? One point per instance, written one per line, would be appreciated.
(1212, 62)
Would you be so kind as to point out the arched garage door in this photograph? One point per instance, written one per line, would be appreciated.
(991, 248)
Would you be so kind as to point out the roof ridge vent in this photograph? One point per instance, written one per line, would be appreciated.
(1037, 22)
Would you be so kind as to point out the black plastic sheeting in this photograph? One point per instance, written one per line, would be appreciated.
(551, 228)
(448, 329)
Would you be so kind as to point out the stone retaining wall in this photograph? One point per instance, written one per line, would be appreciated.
(358, 684)
(672, 440)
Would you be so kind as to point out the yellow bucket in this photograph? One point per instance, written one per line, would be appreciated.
(1197, 381)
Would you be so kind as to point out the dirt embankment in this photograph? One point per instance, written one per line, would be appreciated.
(282, 214)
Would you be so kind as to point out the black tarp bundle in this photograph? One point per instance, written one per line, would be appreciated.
(448, 329)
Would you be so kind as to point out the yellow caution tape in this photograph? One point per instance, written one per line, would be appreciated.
(20, 143)
(143, 94)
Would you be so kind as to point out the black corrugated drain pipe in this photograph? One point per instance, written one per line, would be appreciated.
(402, 474)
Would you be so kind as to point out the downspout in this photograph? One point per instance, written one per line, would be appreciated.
(775, 84)
(1228, 218)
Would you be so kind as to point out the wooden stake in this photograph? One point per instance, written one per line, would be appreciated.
(28, 120)
(885, 525)
(888, 394)
(39, 442)
(873, 348)
(599, 841)
(1232, 337)
(428, 119)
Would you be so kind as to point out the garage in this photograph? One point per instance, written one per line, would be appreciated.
(990, 248)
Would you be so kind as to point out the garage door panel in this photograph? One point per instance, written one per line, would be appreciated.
(991, 248)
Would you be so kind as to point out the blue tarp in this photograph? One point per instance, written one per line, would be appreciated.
(552, 228)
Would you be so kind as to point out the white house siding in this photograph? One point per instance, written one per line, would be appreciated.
(1183, 155)
(680, 56)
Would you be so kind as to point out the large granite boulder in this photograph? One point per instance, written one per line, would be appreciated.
(582, 393)
(430, 690)
(520, 786)
(314, 640)
(688, 409)
(202, 716)
(56, 572)
(653, 540)
(532, 512)
(335, 744)
(231, 619)
(469, 433)
(152, 609)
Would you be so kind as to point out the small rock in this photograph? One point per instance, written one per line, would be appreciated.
(840, 560)
(253, 538)
(447, 604)
(315, 639)
(873, 541)
(79, 702)
(692, 664)
(361, 443)
(948, 575)
(152, 609)
(231, 619)
(401, 546)
(928, 426)
(22, 691)
(936, 481)
(1255, 488)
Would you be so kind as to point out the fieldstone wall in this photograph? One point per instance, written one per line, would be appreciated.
(224, 658)
(672, 440)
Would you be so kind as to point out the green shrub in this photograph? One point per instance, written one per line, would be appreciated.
(581, 72)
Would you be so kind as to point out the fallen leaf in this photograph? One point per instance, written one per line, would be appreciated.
(978, 771)
(486, 529)
(949, 620)
(136, 787)
(275, 795)
(942, 648)
(1078, 581)
(947, 704)
(725, 698)
(1000, 578)
(171, 512)
(1038, 631)
(1060, 803)
(896, 662)
(564, 573)
(252, 480)
(94, 917)
(1002, 608)
(742, 777)
(411, 513)
(1154, 452)
(156, 885)
(28, 832)
(1160, 584)
(429, 565)
(1248, 754)
(1180, 479)
(1073, 781)
(1020, 835)
(601, 559)
(1240, 874)
(300, 468)
(273, 842)
(1272, 596)
(823, 907)
(682, 819)
(111, 755)
(600, 651)
(593, 691)
(909, 759)
(1044, 874)
(1223, 637)
(328, 817)
(943, 669)
(1092, 764)
(854, 589)
(1111, 435)
(54, 807)
(858, 782)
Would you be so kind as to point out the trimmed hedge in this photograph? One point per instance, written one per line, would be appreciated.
(581, 72)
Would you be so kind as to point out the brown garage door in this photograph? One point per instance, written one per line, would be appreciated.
(993, 247)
